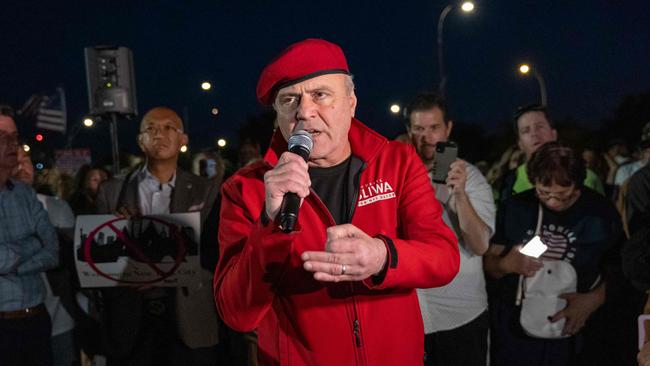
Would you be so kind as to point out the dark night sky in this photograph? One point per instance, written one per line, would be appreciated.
(591, 54)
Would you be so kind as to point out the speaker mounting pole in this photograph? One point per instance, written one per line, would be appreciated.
(115, 145)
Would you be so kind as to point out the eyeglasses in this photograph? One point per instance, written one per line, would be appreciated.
(562, 196)
(9, 138)
(163, 129)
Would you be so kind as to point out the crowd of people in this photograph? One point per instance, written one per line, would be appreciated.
(387, 265)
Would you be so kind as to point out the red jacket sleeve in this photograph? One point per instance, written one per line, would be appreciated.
(252, 253)
(425, 253)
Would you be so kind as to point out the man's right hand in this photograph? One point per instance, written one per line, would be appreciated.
(289, 175)
(515, 262)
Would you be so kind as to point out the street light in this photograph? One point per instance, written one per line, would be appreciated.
(525, 69)
(26, 148)
(395, 108)
(466, 7)
(221, 142)
(184, 148)
(88, 122)
(206, 86)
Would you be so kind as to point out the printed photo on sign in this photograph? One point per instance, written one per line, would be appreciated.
(158, 250)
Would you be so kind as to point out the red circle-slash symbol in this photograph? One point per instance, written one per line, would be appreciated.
(136, 253)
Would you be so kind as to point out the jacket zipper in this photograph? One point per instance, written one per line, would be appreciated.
(356, 325)
(357, 330)
(359, 351)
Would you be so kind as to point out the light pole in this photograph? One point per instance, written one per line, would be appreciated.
(466, 7)
(525, 69)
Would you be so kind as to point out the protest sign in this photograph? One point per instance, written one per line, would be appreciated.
(158, 250)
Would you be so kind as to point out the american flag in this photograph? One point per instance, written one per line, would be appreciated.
(558, 244)
(51, 113)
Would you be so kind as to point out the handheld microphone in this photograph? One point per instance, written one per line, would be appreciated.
(300, 143)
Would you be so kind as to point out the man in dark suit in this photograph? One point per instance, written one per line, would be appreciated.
(156, 325)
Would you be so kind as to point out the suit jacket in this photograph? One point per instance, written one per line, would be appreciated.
(123, 307)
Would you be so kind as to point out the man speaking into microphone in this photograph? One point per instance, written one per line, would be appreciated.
(338, 288)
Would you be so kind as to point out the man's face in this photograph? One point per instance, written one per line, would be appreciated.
(427, 128)
(161, 134)
(533, 131)
(324, 107)
(8, 146)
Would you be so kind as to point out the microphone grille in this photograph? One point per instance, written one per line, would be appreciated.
(301, 138)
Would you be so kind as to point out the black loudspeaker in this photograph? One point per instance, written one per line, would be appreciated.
(111, 80)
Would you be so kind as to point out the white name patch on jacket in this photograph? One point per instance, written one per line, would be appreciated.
(374, 192)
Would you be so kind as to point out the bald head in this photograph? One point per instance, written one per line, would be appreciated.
(162, 115)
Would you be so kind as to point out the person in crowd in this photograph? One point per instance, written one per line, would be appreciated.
(617, 151)
(158, 325)
(637, 249)
(248, 152)
(83, 200)
(534, 127)
(638, 200)
(623, 177)
(455, 316)
(595, 162)
(28, 247)
(60, 299)
(578, 225)
(208, 164)
(340, 288)
(616, 155)
(626, 170)
(511, 158)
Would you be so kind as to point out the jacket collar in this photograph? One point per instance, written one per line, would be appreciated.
(180, 201)
(365, 143)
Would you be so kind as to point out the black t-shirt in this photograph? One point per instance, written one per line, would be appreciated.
(331, 186)
(580, 235)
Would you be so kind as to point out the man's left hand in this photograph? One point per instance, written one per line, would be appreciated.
(351, 255)
(457, 177)
(579, 308)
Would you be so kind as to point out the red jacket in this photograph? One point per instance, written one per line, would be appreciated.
(260, 283)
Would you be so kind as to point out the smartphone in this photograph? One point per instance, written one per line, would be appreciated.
(534, 248)
(446, 153)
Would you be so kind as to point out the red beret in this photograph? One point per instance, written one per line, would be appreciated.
(300, 61)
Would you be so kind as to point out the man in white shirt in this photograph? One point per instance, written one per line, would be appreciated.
(455, 316)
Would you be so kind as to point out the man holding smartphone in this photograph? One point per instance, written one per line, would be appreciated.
(455, 316)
